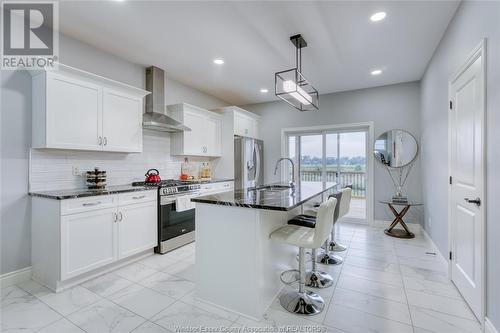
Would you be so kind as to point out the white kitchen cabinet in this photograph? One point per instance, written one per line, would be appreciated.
(75, 112)
(75, 239)
(135, 225)
(121, 115)
(88, 241)
(235, 121)
(204, 139)
(245, 125)
(74, 109)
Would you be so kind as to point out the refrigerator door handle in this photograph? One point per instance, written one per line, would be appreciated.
(257, 164)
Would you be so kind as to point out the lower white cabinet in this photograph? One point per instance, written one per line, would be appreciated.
(88, 241)
(74, 238)
(135, 223)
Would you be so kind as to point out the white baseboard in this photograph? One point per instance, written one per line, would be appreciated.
(488, 326)
(12, 278)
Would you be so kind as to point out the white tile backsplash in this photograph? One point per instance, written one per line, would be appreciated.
(52, 169)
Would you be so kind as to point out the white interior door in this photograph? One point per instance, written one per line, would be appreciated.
(467, 189)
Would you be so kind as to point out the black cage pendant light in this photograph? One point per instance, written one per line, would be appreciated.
(292, 87)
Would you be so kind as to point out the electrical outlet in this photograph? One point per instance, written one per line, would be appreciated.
(76, 171)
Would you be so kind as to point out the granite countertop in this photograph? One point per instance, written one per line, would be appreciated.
(269, 199)
(83, 192)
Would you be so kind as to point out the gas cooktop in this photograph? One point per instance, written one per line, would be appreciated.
(163, 183)
(171, 186)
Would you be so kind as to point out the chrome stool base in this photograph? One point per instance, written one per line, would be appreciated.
(317, 279)
(306, 303)
(326, 258)
(335, 247)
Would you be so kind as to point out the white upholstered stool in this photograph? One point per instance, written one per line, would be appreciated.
(325, 256)
(303, 301)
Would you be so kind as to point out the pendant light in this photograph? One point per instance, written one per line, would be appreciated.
(292, 87)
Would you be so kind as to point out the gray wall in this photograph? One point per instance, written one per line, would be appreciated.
(16, 137)
(472, 22)
(394, 106)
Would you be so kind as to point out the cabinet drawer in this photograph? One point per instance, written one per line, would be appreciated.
(72, 206)
(137, 197)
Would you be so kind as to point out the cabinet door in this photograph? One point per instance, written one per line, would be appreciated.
(194, 140)
(213, 136)
(122, 122)
(88, 241)
(243, 125)
(74, 110)
(137, 228)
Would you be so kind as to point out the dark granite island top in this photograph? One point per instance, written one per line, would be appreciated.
(283, 200)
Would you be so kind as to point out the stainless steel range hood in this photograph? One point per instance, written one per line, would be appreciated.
(155, 118)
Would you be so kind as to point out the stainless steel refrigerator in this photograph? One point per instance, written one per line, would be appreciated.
(248, 162)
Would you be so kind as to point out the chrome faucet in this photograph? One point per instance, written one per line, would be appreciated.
(292, 183)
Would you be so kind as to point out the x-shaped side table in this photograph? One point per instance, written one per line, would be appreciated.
(406, 233)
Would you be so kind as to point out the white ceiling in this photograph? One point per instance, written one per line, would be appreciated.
(253, 39)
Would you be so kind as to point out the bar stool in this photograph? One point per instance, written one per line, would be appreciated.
(344, 198)
(314, 277)
(343, 209)
(303, 301)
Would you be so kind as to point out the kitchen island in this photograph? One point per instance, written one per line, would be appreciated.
(237, 266)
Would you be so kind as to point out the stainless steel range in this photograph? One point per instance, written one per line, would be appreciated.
(176, 214)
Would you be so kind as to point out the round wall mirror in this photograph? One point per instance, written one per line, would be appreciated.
(395, 148)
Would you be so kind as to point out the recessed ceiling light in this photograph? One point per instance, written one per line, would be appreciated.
(218, 61)
(264, 90)
(378, 16)
(377, 72)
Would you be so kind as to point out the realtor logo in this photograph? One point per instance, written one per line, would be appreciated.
(30, 36)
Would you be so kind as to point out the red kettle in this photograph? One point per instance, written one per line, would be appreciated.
(152, 176)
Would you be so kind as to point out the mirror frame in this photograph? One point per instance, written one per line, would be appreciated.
(398, 167)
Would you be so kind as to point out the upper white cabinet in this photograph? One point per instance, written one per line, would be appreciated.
(245, 125)
(73, 109)
(121, 121)
(240, 122)
(236, 121)
(205, 136)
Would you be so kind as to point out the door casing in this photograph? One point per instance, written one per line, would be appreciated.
(479, 51)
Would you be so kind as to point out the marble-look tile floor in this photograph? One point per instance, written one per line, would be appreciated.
(384, 285)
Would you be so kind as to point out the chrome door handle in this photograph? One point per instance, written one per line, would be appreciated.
(88, 204)
(476, 201)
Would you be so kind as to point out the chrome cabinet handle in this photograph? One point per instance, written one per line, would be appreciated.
(476, 201)
(88, 204)
(120, 216)
(139, 197)
(115, 217)
(100, 141)
(105, 141)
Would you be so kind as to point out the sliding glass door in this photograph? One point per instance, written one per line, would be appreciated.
(333, 156)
